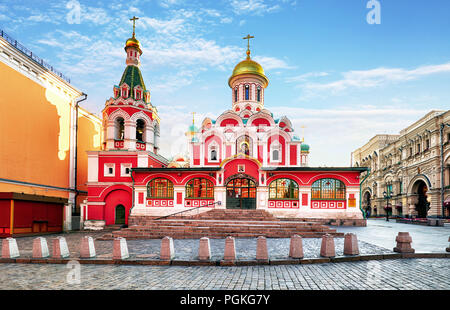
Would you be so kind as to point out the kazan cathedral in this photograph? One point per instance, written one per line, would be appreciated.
(244, 159)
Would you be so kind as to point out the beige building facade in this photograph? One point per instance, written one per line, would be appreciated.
(409, 172)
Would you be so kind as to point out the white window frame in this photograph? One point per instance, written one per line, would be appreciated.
(123, 168)
(210, 149)
(106, 168)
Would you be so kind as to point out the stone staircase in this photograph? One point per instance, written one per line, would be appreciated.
(218, 224)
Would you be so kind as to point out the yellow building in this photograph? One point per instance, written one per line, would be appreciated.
(43, 160)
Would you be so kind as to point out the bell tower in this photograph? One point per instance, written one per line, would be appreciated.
(131, 122)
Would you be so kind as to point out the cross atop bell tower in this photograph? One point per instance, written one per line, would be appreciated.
(134, 19)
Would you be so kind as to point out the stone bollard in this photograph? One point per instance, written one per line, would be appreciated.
(40, 248)
(87, 248)
(230, 249)
(327, 248)
(351, 244)
(261, 249)
(204, 249)
(296, 247)
(9, 248)
(167, 250)
(448, 249)
(120, 248)
(60, 249)
(404, 241)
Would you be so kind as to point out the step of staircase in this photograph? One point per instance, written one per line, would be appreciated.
(221, 223)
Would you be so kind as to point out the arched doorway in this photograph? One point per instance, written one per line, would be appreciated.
(241, 194)
(119, 215)
(422, 205)
(366, 203)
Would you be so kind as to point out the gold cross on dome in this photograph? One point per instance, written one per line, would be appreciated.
(193, 117)
(248, 37)
(134, 19)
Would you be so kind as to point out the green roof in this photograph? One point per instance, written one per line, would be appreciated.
(133, 77)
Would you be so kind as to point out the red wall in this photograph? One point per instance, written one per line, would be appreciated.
(113, 199)
(251, 168)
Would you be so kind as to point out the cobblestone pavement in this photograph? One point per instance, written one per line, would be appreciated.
(400, 274)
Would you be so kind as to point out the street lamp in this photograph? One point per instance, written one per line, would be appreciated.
(387, 195)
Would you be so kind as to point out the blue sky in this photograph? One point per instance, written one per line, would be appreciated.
(329, 69)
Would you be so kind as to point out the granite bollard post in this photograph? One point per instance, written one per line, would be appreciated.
(40, 248)
(230, 249)
(296, 247)
(167, 249)
(351, 244)
(87, 248)
(327, 248)
(60, 249)
(9, 248)
(120, 248)
(262, 253)
(204, 249)
(404, 241)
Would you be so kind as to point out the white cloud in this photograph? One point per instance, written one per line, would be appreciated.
(334, 133)
(269, 63)
(97, 16)
(375, 77)
(252, 7)
(305, 77)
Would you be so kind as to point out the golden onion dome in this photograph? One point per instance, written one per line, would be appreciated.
(249, 66)
(133, 42)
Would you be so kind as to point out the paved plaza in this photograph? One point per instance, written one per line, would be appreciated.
(404, 274)
(377, 238)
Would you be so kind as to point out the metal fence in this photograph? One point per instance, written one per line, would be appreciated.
(32, 56)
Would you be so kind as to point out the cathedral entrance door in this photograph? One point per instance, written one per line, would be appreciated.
(241, 194)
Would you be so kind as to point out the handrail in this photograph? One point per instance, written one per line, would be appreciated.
(209, 204)
(32, 56)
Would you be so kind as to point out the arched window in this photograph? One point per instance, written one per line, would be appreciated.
(140, 128)
(120, 128)
(160, 188)
(275, 150)
(235, 94)
(328, 189)
(283, 189)
(200, 188)
(258, 94)
(247, 92)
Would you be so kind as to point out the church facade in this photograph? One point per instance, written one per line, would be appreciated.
(244, 159)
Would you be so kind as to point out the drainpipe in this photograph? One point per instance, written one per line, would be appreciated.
(132, 193)
(76, 149)
(360, 193)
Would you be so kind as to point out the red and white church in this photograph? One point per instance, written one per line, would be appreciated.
(243, 159)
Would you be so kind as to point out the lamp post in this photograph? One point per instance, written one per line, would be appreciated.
(387, 195)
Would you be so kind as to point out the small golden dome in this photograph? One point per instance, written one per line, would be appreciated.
(133, 42)
(248, 66)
